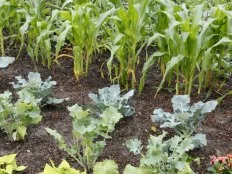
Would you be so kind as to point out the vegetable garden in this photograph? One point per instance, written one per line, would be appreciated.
(112, 86)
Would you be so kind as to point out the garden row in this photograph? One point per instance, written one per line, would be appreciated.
(190, 42)
(93, 123)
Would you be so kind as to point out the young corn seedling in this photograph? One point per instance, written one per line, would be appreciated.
(208, 4)
(40, 29)
(9, 23)
(83, 22)
(217, 59)
(188, 46)
(127, 38)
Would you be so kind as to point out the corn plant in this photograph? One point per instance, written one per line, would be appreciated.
(39, 28)
(190, 43)
(207, 4)
(127, 38)
(83, 22)
(225, 95)
(217, 59)
(9, 23)
(90, 131)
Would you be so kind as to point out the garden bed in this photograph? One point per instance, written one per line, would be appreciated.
(39, 147)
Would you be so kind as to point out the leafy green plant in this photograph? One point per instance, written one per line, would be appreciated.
(38, 88)
(207, 4)
(126, 41)
(39, 28)
(63, 168)
(185, 118)
(106, 167)
(89, 134)
(110, 96)
(83, 22)
(192, 45)
(162, 156)
(225, 95)
(8, 165)
(6, 61)
(15, 118)
(221, 164)
(9, 23)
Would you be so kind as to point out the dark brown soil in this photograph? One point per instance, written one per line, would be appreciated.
(39, 147)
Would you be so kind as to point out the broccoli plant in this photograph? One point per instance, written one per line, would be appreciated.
(162, 156)
(15, 118)
(35, 86)
(185, 118)
(110, 96)
(6, 61)
(89, 134)
(8, 164)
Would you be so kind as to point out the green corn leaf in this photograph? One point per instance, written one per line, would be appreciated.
(150, 61)
(154, 38)
(66, 3)
(103, 17)
(170, 65)
(113, 50)
(61, 38)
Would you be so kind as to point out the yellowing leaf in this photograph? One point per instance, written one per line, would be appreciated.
(64, 164)
(153, 128)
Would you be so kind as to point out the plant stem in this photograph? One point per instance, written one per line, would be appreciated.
(87, 63)
(177, 81)
(79, 162)
(2, 42)
(190, 83)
